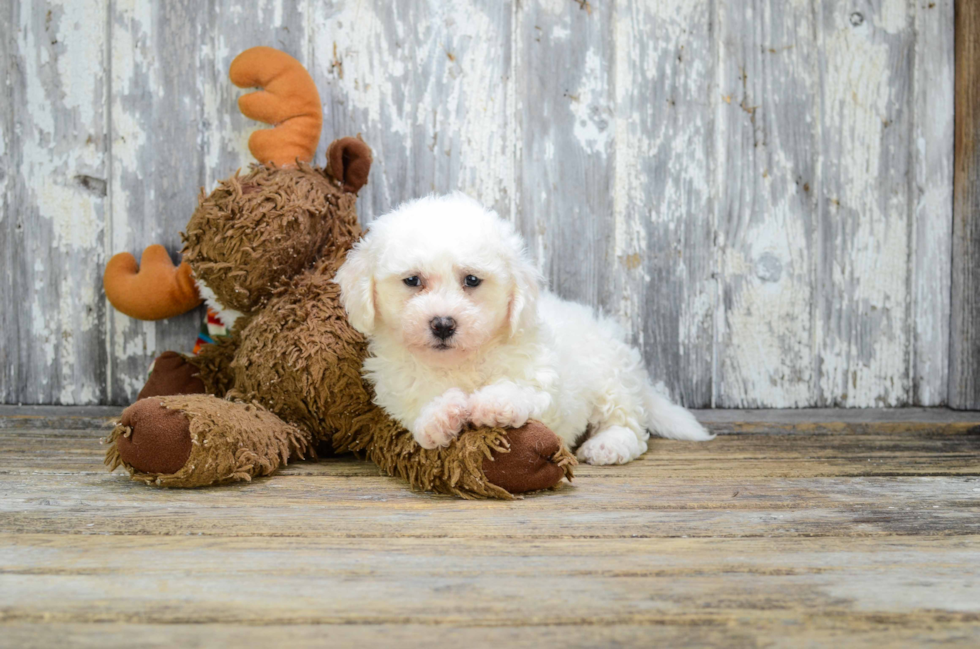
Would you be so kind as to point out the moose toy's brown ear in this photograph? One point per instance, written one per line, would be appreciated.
(349, 161)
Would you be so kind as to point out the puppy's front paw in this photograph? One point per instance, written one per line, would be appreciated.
(505, 405)
(614, 445)
(442, 419)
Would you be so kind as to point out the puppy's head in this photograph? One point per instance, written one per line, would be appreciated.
(440, 276)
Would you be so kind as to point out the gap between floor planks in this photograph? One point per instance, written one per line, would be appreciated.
(830, 527)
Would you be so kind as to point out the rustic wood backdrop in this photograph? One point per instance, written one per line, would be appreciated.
(760, 190)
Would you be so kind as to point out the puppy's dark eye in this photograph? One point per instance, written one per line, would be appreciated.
(472, 281)
(412, 281)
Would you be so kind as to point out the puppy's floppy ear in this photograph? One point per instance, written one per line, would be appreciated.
(523, 296)
(356, 279)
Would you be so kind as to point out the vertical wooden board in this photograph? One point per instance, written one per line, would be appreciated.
(177, 129)
(564, 55)
(9, 214)
(55, 195)
(767, 209)
(157, 163)
(607, 131)
(932, 193)
(657, 276)
(964, 357)
(234, 27)
(861, 326)
(428, 85)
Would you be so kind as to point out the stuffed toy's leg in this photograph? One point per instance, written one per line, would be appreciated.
(172, 374)
(177, 436)
(480, 463)
(213, 363)
(206, 373)
(198, 440)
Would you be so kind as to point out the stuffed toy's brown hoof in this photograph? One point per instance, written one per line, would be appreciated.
(536, 460)
(159, 440)
(196, 440)
(172, 374)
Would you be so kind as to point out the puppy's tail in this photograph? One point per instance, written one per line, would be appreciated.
(670, 420)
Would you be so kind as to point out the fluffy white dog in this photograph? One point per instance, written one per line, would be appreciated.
(459, 332)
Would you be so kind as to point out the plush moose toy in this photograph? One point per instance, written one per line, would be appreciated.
(262, 249)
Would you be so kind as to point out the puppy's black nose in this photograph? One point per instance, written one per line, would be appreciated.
(442, 328)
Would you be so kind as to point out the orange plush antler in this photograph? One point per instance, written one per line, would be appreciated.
(155, 291)
(288, 100)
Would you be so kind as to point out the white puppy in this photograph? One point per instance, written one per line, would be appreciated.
(459, 332)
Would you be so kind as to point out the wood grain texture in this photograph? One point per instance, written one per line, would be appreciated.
(782, 535)
(9, 265)
(859, 631)
(232, 28)
(932, 144)
(564, 74)
(428, 86)
(52, 228)
(767, 213)
(176, 130)
(964, 357)
(863, 278)
(659, 279)
(157, 109)
(759, 192)
(393, 581)
(760, 450)
(363, 507)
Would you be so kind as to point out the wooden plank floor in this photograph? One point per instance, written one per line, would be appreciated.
(804, 528)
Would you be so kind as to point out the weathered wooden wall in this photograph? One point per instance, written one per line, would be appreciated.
(760, 190)
(964, 367)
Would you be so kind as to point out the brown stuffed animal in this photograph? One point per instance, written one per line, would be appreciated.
(264, 248)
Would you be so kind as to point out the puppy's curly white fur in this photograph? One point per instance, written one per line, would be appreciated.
(459, 331)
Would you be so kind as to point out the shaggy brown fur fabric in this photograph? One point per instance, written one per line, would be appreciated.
(229, 441)
(172, 374)
(255, 231)
(201, 440)
(268, 244)
(301, 359)
(214, 361)
(457, 469)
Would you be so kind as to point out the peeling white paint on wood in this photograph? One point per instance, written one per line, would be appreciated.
(565, 174)
(156, 161)
(659, 279)
(55, 193)
(759, 191)
(863, 274)
(428, 86)
(932, 197)
(276, 23)
(767, 123)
